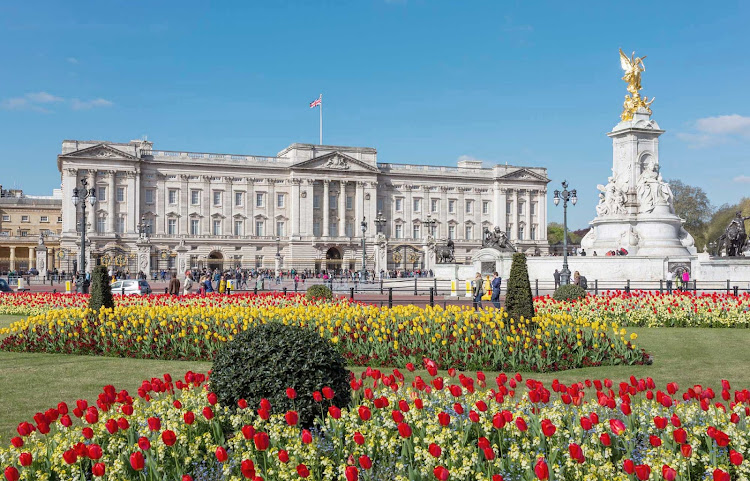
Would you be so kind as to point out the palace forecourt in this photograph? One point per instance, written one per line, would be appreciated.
(171, 210)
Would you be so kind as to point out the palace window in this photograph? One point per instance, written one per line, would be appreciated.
(333, 229)
(6, 218)
(349, 202)
(280, 231)
(451, 232)
(349, 230)
(195, 227)
(150, 196)
(238, 227)
(259, 228)
(120, 194)
(59, 219)
(332, 201)
(24, 218)
(259, 200)
(417, 205)
(469, 232)
(172, 226)
(172, 196)
(258, 262)
(316, 201)
(434, 205)
(195, 197)
(381, 202)
(217, 227)
(101, 194)
(280, 201)
(451, 206)
(533, 208)
(101, 225)
(520, 232)
(508, 230)
(44, 218)
(469, 206)
(399, 231)
(238, 200)
(508, 207)
(416, 231)
(485, 207)
(121, 224)
(521, 208)
(399, 204)
(217, 197)
(316, 229)
(533, 232)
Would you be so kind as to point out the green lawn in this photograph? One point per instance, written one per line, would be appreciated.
(6, 321)
(35, 382)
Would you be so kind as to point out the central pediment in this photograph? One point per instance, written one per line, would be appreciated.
(101, 151)
(335, 161)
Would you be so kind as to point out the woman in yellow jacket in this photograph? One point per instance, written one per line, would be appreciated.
(223, 284)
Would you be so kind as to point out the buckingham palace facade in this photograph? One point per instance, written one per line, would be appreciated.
(302, 208)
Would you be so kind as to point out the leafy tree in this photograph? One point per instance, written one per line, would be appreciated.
(101, 291)
(692, 204)
(555, 234)
(519, 302)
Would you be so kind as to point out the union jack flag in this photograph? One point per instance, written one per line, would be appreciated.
(316, 102)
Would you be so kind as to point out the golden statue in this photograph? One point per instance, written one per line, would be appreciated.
(633, 67)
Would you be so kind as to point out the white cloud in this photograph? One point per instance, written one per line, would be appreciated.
(78, 104)
(743, 179)
(72, 60)
(710, 131)
(31, 101)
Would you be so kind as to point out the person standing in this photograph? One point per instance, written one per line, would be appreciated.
(478, 291)
(556, 275)
(685, 280)
(174, 286)
(495, 284)
(188, 284)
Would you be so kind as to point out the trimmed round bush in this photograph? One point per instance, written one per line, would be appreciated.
(263, 361)
(569, 292)
(319, 291)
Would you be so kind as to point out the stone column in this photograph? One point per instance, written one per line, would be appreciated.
(514, 215)
(496, 201)
(69, 211)
(294, 208)
(271, 230)
(32, 257)
(359, 205)
(228, 203)
(503, 209)
(41, 260)
(205, 206)
(249, 206)
(90, 210)
(528, 214)
(130, 200)
(542, 214)
(461, 214)
(342, 209)
(110, 199)
(442, 227)
(12, 262)
(326, 208)
(183, 205)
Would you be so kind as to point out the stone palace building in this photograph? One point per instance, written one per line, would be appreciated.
(303, 208)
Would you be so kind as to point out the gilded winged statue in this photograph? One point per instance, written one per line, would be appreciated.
(633, 66)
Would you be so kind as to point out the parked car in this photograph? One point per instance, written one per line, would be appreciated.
(4, 287)
(131, 287)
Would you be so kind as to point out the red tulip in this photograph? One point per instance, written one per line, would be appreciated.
(136, 461)
(248, 431)
(261, 441)
(317, 397)
(735, 457)
(365, 462)
(291, 418)
(617, 426)
(327, 392)
(211, 398)
(441, 473)
(541, 470)
(25, 459)
(628, 466)
(98, 469)
(242, 403)
(680, 435)
(576, 453)
(548, 428)
(291, 393)
(351, 473)
(489, 453)
(720, 475)
(687, 450)
(605, 439)
(655, 441)
(302, 471)
(189, 417)
(283, 456)
(435, 450)
(87, 432)
(169, 437)
(643, 471)
(11, 474)
(154, 424)
(247, 468)
(521, 424)
(306, 436)
(208, 413)
(221, 454)
(364, 413)
(16, 442)
(669, 474)
(144, 443)
(94, 452)
(70, 456)
(444, 418)
(358, 438)
(404, 430)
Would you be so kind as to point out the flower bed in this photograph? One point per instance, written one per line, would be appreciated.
(435, 428)
(650, 309)
(195, 327)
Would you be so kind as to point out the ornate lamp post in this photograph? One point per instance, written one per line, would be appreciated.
(81, 194)
(144, 229)
(363, 275)
(278, 256)
(565, 195)
(430, 225)
(379, 223)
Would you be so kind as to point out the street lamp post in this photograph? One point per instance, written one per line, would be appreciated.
(379, 223)
(144, 230)
(363, 275)
(81, 194)
(565, 195)
(278, 257)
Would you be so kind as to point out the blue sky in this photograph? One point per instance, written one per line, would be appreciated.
(528, 83)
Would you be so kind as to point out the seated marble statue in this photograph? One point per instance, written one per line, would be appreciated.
(652, 190)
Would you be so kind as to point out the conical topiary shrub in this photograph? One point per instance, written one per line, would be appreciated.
(519, 302)
(101, 292)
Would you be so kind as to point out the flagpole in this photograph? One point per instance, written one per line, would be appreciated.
(321, 119)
